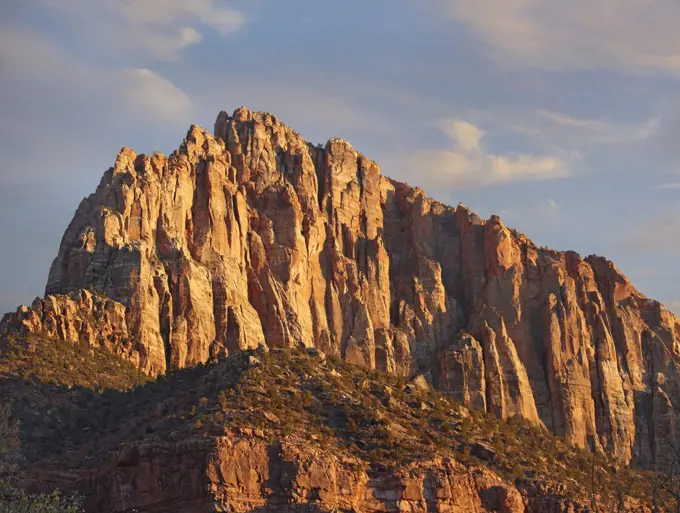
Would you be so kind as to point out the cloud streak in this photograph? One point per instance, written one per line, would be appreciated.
(156, 29)
(597, 130)
(28, 58)
(631, 35)
(668, 186)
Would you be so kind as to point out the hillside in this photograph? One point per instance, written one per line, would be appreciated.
(289, 431)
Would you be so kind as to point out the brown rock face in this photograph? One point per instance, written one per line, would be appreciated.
(252, 236)
(243, 474)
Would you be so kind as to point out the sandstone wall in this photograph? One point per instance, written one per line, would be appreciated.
(242, 474)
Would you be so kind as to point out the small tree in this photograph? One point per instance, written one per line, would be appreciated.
(666, 485)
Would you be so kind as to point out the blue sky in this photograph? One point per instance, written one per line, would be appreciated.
(562, 117)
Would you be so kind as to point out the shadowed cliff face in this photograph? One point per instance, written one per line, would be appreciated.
(247, 474)
(252, 236)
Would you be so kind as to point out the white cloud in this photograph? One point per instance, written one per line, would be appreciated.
(632, 35)
(158, 29)
(464, 135)
(189, 36)
(467, 164)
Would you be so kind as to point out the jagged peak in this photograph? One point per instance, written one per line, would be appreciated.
(128, 160)
(496, 219)
(195, 131)
(340, 140)
(125, 160)
(244, 114)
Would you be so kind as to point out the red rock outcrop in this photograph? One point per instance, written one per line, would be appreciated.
(79, 318)
(243, 474)
(252, 236)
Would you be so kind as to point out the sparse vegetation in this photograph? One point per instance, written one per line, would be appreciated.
(62, 363)
(379, 418)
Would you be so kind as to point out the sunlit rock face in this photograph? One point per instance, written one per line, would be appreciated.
(246, 473)
(252, 236)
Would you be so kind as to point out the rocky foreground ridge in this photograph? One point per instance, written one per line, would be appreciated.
(288, 431)
(252, 236)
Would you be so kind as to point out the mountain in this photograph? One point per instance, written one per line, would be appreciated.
(253, 237)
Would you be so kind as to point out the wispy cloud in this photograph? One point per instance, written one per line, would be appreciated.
(147, 91)
(631, 35)
(561, 119)
(28, 59)
(158, 29)
(670, 185)
(597, 130)
(468, 164)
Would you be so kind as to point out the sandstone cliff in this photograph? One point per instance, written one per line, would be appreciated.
(242, 474)
(252, 236)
